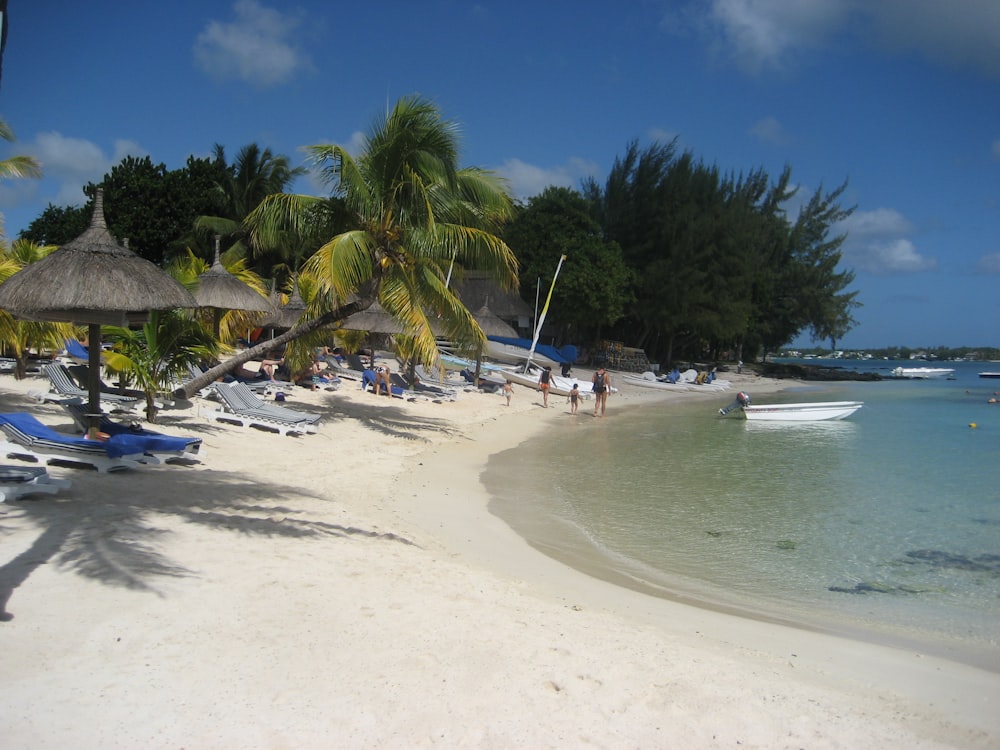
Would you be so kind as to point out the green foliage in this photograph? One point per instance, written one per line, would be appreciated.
(155, 357)
(18, 338)
(594, 287)
(58, 225)
(716, 263)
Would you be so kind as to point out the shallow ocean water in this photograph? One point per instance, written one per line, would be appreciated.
(885, 525)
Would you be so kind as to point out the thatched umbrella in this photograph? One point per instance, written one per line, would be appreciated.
(492, 325)
(220, 290)
(95, 281)
(375, 319)
(285, 316)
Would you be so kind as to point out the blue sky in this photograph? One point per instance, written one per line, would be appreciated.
(901, 98)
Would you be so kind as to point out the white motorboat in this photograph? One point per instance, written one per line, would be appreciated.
(994, 375)
(813, 411)
(805, 412)
(922, 373)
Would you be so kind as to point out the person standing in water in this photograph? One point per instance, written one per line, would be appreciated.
(602, 384)
(574, 398)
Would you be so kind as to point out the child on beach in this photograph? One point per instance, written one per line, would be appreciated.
(508, 391)
(574, 398)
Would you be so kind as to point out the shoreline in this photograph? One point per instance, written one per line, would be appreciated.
(352, 587)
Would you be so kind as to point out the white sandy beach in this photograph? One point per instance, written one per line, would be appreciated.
(350, 589)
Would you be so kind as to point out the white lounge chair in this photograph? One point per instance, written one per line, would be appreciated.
(65, 388)
(241, 406)
(23, 436)
(155, 446)
(18, 481)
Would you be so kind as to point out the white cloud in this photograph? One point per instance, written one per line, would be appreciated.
(961, 33)
(989, 264)
(71, 163)
(769, 130)
(527, 180)
(762, 35)
(894, 256)
(880, 222)
(256, 47)
(770, 34)
(876, 242)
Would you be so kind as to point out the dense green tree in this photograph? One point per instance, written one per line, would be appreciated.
(57, 225)
(152, 206)
(716, 262)
(412, 212)
(594, 284)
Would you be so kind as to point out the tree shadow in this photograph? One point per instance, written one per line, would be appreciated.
(106, 528)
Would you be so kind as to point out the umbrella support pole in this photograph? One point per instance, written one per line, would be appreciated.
(94, 380)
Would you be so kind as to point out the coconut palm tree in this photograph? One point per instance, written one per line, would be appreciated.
(412, 212)
(156, 356)
(16, 167)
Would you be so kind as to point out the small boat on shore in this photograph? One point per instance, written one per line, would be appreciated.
(813, 411)
(922, 373)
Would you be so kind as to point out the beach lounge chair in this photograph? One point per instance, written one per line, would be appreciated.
(81, 374)
(64, 388)
(23, 436)
(242, 406)
(76, 351)
(17, 481)
(156, 446)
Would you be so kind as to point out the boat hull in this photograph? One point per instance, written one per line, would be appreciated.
(995, 375)
(513, 355)
(922, 373)
(805, 412)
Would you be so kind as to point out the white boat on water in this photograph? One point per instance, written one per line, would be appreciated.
(994, 375)
(813, 411)
(922, 373)
(806, 412)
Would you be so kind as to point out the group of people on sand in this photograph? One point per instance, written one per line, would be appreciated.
(601, 382)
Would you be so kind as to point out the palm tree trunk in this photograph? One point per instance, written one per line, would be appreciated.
(210, 376)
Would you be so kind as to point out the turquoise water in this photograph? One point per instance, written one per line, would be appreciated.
(885, 525)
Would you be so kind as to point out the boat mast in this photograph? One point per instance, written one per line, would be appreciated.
(541, 317)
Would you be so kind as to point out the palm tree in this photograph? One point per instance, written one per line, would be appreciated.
(16, 167)
(19, 337)
(412, 212)
(252, 177)
(156, 356)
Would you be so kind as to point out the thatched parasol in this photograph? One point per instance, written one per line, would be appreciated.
(220, 290)
(374, 319)
(95, 281)
(285, 316)
(492, 325)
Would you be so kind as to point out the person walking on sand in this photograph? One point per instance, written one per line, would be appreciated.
(602, 384)
(574, 398)
(508, 391)
(544, 382)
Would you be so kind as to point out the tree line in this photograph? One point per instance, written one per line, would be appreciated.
(673, 256)
(668, 253)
